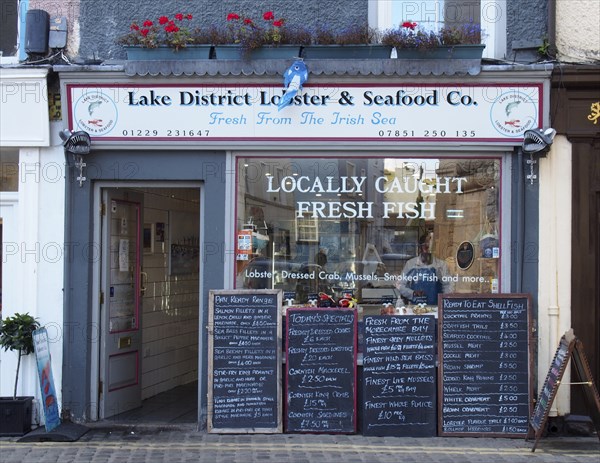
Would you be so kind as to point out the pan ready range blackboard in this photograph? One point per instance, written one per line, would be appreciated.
(321, 370)
(399, 386)
(245, 361)
(484, 379)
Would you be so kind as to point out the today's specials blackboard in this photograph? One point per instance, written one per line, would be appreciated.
(399, 376)
(244, 393)
(321, 370)
(484, 350)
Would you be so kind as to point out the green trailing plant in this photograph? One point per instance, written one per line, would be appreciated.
(16, 334)
(546, 50)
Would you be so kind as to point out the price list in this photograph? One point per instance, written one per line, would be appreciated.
(484, 345)
(321, 371)
(245, 362)
(399, 376)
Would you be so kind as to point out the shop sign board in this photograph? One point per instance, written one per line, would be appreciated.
(569, 348)
(375, 112)
(321, 370)
(399, 393)
(44, 367)
(484, 378)
(244, 361)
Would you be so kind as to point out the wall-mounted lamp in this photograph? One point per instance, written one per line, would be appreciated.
(78, 144)
(536, 141)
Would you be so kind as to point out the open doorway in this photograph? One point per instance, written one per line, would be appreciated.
(149, 279)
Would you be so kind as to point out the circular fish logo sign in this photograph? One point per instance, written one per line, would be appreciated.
(513, 113)
(96, 113)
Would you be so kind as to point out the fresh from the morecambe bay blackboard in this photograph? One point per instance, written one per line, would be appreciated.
(399, 376)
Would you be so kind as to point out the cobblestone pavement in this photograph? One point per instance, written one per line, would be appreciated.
(186, 444)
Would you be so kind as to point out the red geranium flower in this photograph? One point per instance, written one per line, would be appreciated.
(278, 23)
(269, 16)
(233, 17)
(247, 21)
(409, 25)
(171, 27)
(163, 31)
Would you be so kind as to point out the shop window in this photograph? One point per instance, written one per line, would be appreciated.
(9, 170)
(361, 224)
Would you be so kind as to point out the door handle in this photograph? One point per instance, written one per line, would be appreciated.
(143, 282)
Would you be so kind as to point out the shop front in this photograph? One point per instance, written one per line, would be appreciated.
(375, 192)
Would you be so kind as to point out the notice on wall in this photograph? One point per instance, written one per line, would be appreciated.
(244, 392)
(399, 376)
(484, 350)
(321, 370)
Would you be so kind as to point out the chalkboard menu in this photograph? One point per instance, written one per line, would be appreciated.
(399, 376)
(244, 393)
(484, 351)
(548, 391)
(321, 370)
(569, 348)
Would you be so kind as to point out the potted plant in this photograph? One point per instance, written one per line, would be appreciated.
(166, 39)
(16, 334)
(451, 42)
(354, 42)
(245, 38)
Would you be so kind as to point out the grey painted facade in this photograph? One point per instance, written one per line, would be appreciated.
(526, 29)
(102, 23)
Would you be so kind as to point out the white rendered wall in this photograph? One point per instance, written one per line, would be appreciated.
(578, 31)
(554, 293)
(33, 241)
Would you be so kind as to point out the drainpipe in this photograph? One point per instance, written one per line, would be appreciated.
(552, 25)
(520, 231)
(68, 257)
(75, 145)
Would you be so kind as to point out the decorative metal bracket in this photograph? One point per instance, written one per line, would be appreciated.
(77, 144)
(532, 162)
(79, 164)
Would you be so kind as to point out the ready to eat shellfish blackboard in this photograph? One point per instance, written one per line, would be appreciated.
(484, 345)
(321, 370)
(244, 361)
